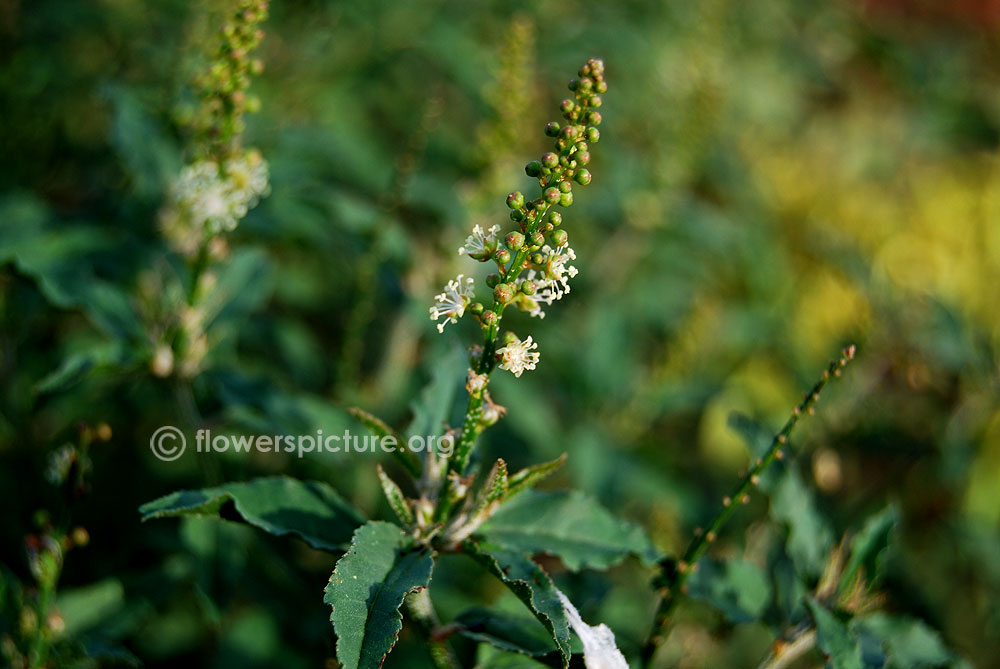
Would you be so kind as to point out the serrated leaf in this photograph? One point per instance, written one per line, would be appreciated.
(529, 476)
(530, 583)
(518, 634)
(809, 534)
(869, 546)
(367, 587)
(909, 642)
(569, 525)
(279, 505)
(739, 589)
(835, 639)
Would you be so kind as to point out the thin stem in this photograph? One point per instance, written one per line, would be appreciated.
(783, 654)
(675, 582)
(421, 611)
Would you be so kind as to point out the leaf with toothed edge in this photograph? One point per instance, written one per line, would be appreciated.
(368, 586)
(276, 504)
(570, 525)
(530, 583)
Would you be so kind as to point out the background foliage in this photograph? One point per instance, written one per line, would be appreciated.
(775, 180)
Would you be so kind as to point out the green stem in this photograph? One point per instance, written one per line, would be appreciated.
(421, 611)
(675, 584)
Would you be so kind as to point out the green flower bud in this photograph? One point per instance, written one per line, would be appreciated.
(533, 169)
(552, 129)
(596, 101)
(552, 195)
(501, 256)
(582, 146)
(601, 87)
(515, 200)
(503, 293)
(492, 280)
(566, 199)
(514, 241)
(490, 318)
(550, 160)
(517, 215)
(559, 237)
(565, 186)
(569, 132)
(477, 308)
(508, 338)
(567, 106)
(537, 258)
(594, 118)
(537, 239)
(529, 287)
(555, 218)
(548, 227)
(574, 84)
(583, 157)
(585, 84)
(593, 134)
(583, 177)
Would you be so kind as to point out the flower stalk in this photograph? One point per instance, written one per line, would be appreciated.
(532, 265)
(676, 573)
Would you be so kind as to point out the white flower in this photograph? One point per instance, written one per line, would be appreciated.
(518, 356)
(554, 275)
(205, 201)
(451, 304)
(599, 648)
(479, 244)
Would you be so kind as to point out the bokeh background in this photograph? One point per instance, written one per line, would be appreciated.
(775, 180)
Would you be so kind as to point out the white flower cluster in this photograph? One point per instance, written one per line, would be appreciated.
(206, 200)
(552, 279)
(518, 356)
(450, 305)
(549, 272)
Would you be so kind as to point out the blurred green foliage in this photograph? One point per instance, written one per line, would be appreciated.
(775, 180)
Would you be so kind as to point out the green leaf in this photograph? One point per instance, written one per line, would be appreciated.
(570, 525)
(531, 585)
(380, 429)
(834, 639)
(739, 589)
(910, 643)
(79, 365)
(809, 535)
(868, 548)
(369, 584)
(87, 607)
(278, 504)
(756, 437)
(506, 631)
(526, 478)
(433, 407)
(394, 495)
